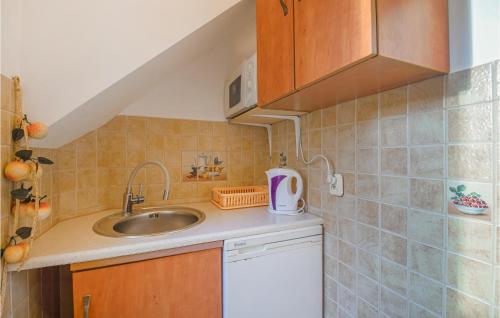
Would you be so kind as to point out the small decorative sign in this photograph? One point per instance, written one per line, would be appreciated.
(206, 167)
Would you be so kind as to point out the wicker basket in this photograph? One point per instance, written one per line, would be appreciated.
(227, 198)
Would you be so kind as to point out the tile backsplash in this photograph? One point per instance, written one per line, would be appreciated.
(417, 232)
(91, 172)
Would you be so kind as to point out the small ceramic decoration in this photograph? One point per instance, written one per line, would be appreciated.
(469, 199)
(206, 167)
(283, 160)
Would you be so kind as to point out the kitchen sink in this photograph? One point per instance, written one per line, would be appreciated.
(149, 221)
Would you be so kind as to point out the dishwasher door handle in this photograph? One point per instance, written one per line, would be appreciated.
(252, 249)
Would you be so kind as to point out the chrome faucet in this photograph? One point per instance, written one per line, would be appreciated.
(129, 199)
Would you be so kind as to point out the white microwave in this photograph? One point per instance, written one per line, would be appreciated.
(240, 92)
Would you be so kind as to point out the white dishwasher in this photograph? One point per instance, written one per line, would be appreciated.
(274, 275)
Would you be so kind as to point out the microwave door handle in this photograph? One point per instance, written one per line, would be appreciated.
(284, 7)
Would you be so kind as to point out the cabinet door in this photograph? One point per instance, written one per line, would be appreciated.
(180, 286)
(275, 61)
(330, 35)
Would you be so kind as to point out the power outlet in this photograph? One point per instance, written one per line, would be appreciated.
(337, 185)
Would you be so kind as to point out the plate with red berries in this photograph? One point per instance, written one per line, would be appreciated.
(471, 203)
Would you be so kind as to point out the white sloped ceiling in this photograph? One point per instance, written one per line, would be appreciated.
(83, 62)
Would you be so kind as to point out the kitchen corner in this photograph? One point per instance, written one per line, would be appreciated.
(250, 159)
(76, 242)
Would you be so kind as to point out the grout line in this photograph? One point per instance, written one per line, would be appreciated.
(486, 101)
(495, 211)
(470, 220)
(425, 309)
(489, 264)
(470, 296)
(355, 212)
(409, 185)
(445, 197)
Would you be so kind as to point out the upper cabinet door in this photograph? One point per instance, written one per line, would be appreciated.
(330, 35)
(275, 58)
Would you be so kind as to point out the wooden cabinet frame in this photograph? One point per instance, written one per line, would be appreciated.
(409, 44)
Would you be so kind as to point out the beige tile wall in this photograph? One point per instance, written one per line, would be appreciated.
(394, 245)
(91, 172)
(391, 247)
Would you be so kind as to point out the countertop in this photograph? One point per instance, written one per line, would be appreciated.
(74, 241)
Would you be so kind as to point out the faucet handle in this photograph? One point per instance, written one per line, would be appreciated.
(139, 198)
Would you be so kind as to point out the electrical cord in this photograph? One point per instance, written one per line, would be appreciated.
(330, 177)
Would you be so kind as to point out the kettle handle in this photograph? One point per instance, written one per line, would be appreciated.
(300, 186)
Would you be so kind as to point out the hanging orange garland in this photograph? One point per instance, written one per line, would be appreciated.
(27, 201)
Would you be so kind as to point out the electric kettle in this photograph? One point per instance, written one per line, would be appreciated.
(282, 199)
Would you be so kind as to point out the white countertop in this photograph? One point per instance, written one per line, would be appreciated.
(74, 241)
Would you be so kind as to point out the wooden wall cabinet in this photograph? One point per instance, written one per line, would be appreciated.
(187, 285)
(323, 52)
(275, 57)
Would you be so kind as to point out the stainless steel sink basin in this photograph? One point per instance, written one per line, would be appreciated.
(147, 222)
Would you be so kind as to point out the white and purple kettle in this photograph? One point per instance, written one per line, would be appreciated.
(282, 199)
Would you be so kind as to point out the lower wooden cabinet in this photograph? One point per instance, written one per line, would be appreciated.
(181, 286)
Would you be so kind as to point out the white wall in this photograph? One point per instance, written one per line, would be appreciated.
(474, 32)
(67, 52)
(10, 21)
(195, 90)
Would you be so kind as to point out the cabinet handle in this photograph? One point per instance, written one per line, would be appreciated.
(285, 8)
(86, 306)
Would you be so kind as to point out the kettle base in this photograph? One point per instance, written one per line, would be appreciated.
(292, 212)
